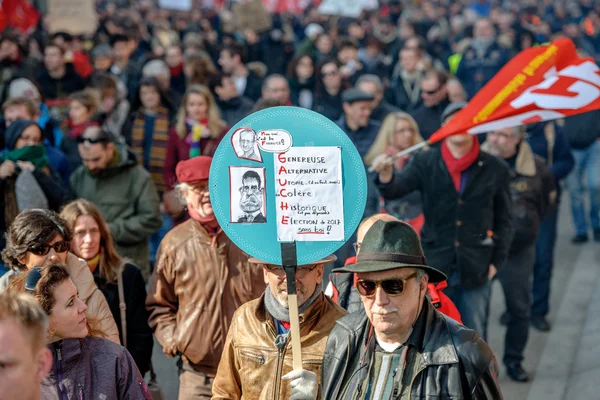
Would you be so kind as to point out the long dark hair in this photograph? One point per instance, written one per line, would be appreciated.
(35, 226)
(320, 87)
(165, 99)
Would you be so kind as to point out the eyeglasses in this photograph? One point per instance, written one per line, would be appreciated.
(200, 189)
(431, 92)
(43, 249)
(301, 272)
(82, 139)
(391, 287)
(330, 73)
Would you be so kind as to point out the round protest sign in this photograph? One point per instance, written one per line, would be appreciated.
(287, 174)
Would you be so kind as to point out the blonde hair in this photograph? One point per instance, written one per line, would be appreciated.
(110, 263)
(215, 123)
(24, 310)
(386, 132)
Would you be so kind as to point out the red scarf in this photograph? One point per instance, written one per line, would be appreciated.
(77, 130)
(209, 223)
(176, 71)
(456, 167)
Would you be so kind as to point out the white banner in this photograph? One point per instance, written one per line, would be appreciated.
(309, 196)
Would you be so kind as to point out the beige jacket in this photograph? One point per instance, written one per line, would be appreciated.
(88, 293)
(252, 366)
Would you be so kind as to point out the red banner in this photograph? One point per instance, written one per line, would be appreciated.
(539, 84)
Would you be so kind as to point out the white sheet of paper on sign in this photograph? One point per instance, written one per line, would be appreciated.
(309, 197)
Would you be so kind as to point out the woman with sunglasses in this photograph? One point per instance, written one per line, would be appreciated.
(92, 242)
(85, 364)
(38, 237)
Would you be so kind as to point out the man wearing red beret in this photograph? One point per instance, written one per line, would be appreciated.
(200, 279)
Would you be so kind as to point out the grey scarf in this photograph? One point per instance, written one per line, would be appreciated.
(281, 313)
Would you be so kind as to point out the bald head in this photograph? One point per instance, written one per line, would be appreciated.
(367, 223)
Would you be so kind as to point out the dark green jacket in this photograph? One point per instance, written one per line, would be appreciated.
(128, 201)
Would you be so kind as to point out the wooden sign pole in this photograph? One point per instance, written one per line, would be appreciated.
(289, 263)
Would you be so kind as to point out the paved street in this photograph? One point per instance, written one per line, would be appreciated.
(565, 363)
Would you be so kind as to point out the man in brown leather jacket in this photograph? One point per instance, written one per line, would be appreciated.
(200, 279)
(257, 358)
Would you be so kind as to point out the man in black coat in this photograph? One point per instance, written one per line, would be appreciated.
(468, 220)
(435, 100)
(533, 195)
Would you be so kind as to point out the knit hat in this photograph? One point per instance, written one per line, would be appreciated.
(22, 87)
(15, 130)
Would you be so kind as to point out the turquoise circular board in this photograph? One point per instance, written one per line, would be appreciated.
(287, 174)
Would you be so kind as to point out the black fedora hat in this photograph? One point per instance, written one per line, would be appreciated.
(390, 245)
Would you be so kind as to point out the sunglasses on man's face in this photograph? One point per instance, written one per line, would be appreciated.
(391, 287)
(431, 92)
(43, 249)
(81, 140)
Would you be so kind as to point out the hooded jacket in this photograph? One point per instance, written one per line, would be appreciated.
(92, 368)
(88, 293)
(128, 201)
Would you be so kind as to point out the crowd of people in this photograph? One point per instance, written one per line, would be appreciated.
(110, 240)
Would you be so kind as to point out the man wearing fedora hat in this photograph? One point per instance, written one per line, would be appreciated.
(400, 346)
(257, 358)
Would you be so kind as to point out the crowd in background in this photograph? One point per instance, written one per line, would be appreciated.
(107, 118)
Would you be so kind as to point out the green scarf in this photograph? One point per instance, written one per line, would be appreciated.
(34, 154)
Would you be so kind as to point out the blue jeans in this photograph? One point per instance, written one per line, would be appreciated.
(544, 263)
(156, 238)
(587, 161)
(473, 304)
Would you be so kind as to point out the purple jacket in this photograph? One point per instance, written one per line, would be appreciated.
(92, 368)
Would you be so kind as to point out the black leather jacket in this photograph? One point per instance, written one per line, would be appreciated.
(453, 362)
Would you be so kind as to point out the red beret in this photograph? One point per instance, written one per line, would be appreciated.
(193, 170)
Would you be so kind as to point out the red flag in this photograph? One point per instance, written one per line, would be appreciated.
(20, 14)
(539, 84)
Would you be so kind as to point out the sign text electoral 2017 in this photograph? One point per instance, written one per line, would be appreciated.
(309, 196)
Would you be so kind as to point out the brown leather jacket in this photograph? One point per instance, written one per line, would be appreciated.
(252, 366)
(194, 291)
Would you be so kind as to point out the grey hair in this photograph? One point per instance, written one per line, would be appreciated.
(180, 188)
(371, 78)
(421, 273)
(156, 68)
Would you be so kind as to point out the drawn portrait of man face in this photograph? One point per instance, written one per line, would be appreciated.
(247, 141)
(251, 200)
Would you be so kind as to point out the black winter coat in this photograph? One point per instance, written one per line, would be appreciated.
(456, 226)
(235, 110)
(139, 334)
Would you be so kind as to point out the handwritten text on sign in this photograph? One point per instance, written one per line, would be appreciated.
(309, 197)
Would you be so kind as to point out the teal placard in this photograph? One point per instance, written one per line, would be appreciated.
(307, 128)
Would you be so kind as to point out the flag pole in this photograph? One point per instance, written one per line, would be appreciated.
(289, 262)
(404, 152)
